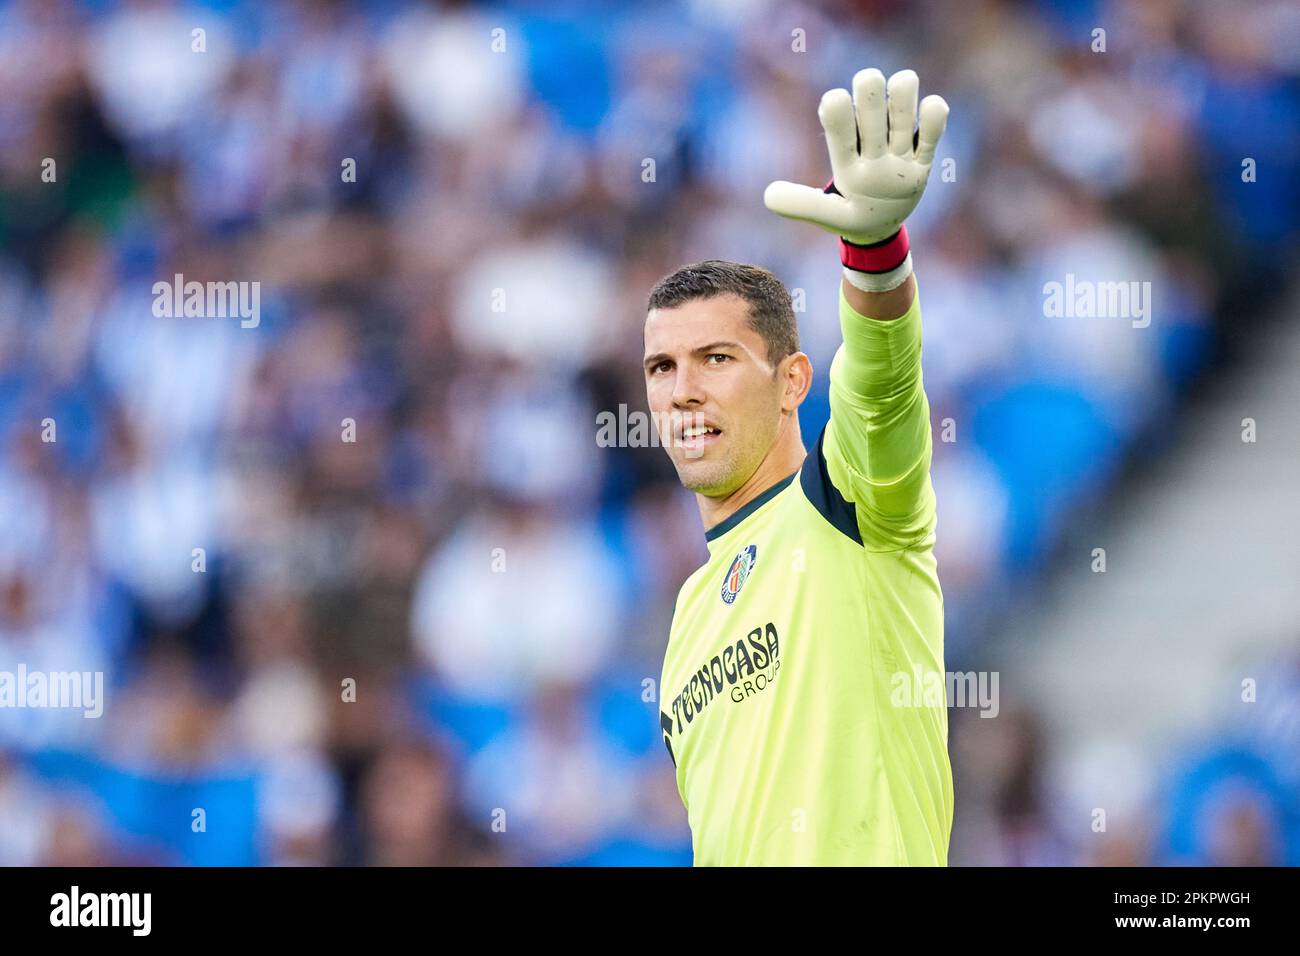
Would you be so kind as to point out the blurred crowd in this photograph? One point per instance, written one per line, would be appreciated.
(364, 587)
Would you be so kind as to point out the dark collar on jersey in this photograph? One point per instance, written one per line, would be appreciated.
(722, 527)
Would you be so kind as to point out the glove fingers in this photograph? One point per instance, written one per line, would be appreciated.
(807, 204)
(836, 114)
(934, 119)
(869, 100)
(903, 87)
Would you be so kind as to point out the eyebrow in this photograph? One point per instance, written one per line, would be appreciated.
(653, 360)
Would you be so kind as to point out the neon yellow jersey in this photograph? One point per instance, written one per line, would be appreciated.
(780, 702)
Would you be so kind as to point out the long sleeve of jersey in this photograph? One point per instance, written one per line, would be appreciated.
(878, 444)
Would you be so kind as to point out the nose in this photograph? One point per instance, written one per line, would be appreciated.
(686, 388)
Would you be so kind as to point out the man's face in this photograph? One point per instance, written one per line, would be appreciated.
(715, 399)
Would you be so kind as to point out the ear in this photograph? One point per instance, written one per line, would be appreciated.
(796, 371)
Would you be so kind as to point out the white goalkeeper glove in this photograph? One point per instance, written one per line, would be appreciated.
(880, 162)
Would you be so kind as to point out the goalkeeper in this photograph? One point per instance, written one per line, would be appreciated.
(798, 697)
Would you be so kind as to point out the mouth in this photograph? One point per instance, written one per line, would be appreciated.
(698, 436)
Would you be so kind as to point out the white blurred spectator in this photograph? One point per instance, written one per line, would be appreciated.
(546, 301)
(548, 614)
(1089, 131)
(560, 783)
(25, 817)
(299, 798)
(143, 63)
(446, 75)
(281, 710)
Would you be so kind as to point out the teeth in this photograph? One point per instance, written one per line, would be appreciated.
(697, 431)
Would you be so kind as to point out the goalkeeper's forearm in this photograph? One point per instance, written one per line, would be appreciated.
(881, 364)
(881, 306)
(876, 385)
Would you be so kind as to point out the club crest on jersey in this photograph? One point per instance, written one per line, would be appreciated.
(738, 573)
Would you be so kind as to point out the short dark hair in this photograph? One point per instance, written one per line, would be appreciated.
(771, 313)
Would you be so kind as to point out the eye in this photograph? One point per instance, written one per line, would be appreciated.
(717, 355)
(662, 366)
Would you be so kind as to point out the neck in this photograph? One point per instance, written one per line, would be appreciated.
(782, 460)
